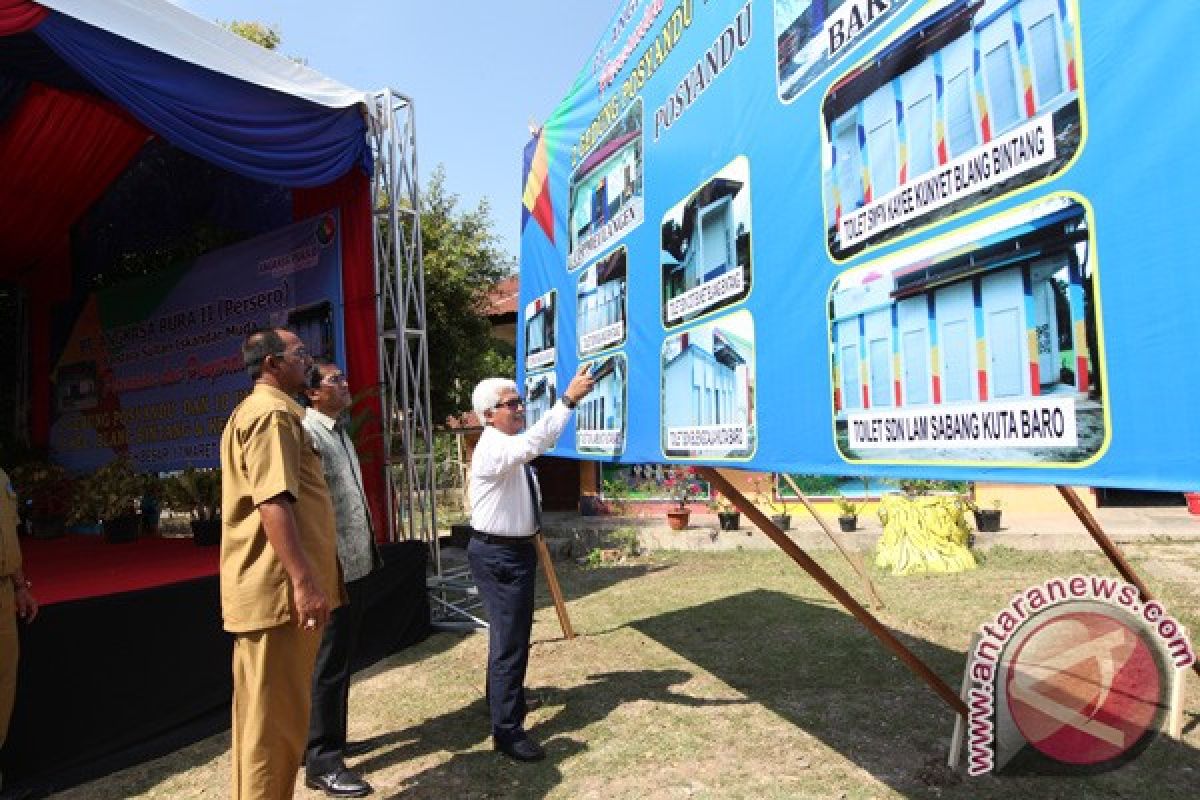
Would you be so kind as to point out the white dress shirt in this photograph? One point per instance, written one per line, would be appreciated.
(500, 499)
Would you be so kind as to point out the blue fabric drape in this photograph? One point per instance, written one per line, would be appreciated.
(256, 132)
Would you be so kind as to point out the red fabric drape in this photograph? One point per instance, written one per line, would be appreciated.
(352, 195)
(60, 152)
(18, 16)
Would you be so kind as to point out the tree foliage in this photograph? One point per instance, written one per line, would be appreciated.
(463, 259)
(263, 35)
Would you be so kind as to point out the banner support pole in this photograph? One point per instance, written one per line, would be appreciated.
(560, 607)
(918, 667)
(853, 556)
(1108, 546)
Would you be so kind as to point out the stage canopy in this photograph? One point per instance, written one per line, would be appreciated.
(90, 91)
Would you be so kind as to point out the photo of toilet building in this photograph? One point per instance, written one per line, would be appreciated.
(706, 247)
(812, 35)
(540, 331)
(974, 345)
(975, 99)
(605, 196)
(600, 418)
(540, 393)
(708, 389)
(600, 304)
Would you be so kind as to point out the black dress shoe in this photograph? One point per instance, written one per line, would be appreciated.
(339, 783)
(525, 749)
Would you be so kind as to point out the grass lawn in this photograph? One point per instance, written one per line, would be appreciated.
(709, 676)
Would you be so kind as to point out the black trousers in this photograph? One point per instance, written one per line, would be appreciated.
(505, 575)
(331, 683)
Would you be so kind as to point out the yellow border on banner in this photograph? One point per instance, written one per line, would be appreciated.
(662, 405)
(750, 290)
(919, 14)
(1101, 354)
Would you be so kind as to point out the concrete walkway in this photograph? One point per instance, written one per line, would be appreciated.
(572, 535)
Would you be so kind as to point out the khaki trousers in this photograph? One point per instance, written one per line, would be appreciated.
(272, 692)
(8, 654)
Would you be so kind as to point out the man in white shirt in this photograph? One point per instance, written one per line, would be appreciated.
(505, 516)
(324, 756)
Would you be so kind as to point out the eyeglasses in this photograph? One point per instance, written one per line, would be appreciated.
(300, 353)
(336, 379)
(512, 404)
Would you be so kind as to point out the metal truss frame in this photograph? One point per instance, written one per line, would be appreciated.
(409, 458)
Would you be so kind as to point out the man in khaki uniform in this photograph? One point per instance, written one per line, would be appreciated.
(279, 570)
(15, 601)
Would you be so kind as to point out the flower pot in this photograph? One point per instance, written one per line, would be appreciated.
(729, 520)
(678, 519)
(987, 520)
(782, 521)
(122, 529)
(848, 523)
(1193, 502)
(206, 532)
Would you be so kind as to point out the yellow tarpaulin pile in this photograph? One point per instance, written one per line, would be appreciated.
(923, 534)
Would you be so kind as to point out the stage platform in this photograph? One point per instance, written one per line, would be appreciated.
(75, 567)
(128, 661)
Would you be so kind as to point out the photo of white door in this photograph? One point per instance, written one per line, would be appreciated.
(1004, 328)
(848, 367)
(912, 317)
(956, 342)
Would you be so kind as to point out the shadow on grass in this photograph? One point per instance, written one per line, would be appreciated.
(822, 671)
(472, 772)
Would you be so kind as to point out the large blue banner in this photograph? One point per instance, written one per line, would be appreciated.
(938, 239)
(151, 369)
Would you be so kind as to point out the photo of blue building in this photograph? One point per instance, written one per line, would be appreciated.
(975, 99)
(541, 391)
(600, 304)
(540, 331)
(708, 389)
(812, 35)
(600, 418)
(705, 254)
(991, 325)
(605, 194)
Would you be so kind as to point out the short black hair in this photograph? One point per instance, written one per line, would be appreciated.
(258, 346)
(315, 377)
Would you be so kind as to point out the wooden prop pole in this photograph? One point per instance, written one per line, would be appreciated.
(560, 607)
(853, 556)
(1107, 545)
(918, 667)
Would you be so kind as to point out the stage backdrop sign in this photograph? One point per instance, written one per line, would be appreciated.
(893, 237)
(151, 369)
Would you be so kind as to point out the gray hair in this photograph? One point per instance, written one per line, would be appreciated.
(258, 346)
(487, 394)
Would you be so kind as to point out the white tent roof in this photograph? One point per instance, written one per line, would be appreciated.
(162, 26)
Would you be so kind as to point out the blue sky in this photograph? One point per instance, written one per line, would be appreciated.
(477, 71)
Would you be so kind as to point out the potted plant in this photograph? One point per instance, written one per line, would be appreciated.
(987, 520)
(847, 513)
(197, 492)
(110, 496)
(764, 495)
(681, 487)
(728, 517)
(45, 489)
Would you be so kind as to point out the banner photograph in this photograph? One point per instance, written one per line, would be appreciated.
(887, 238)
(150, 371)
